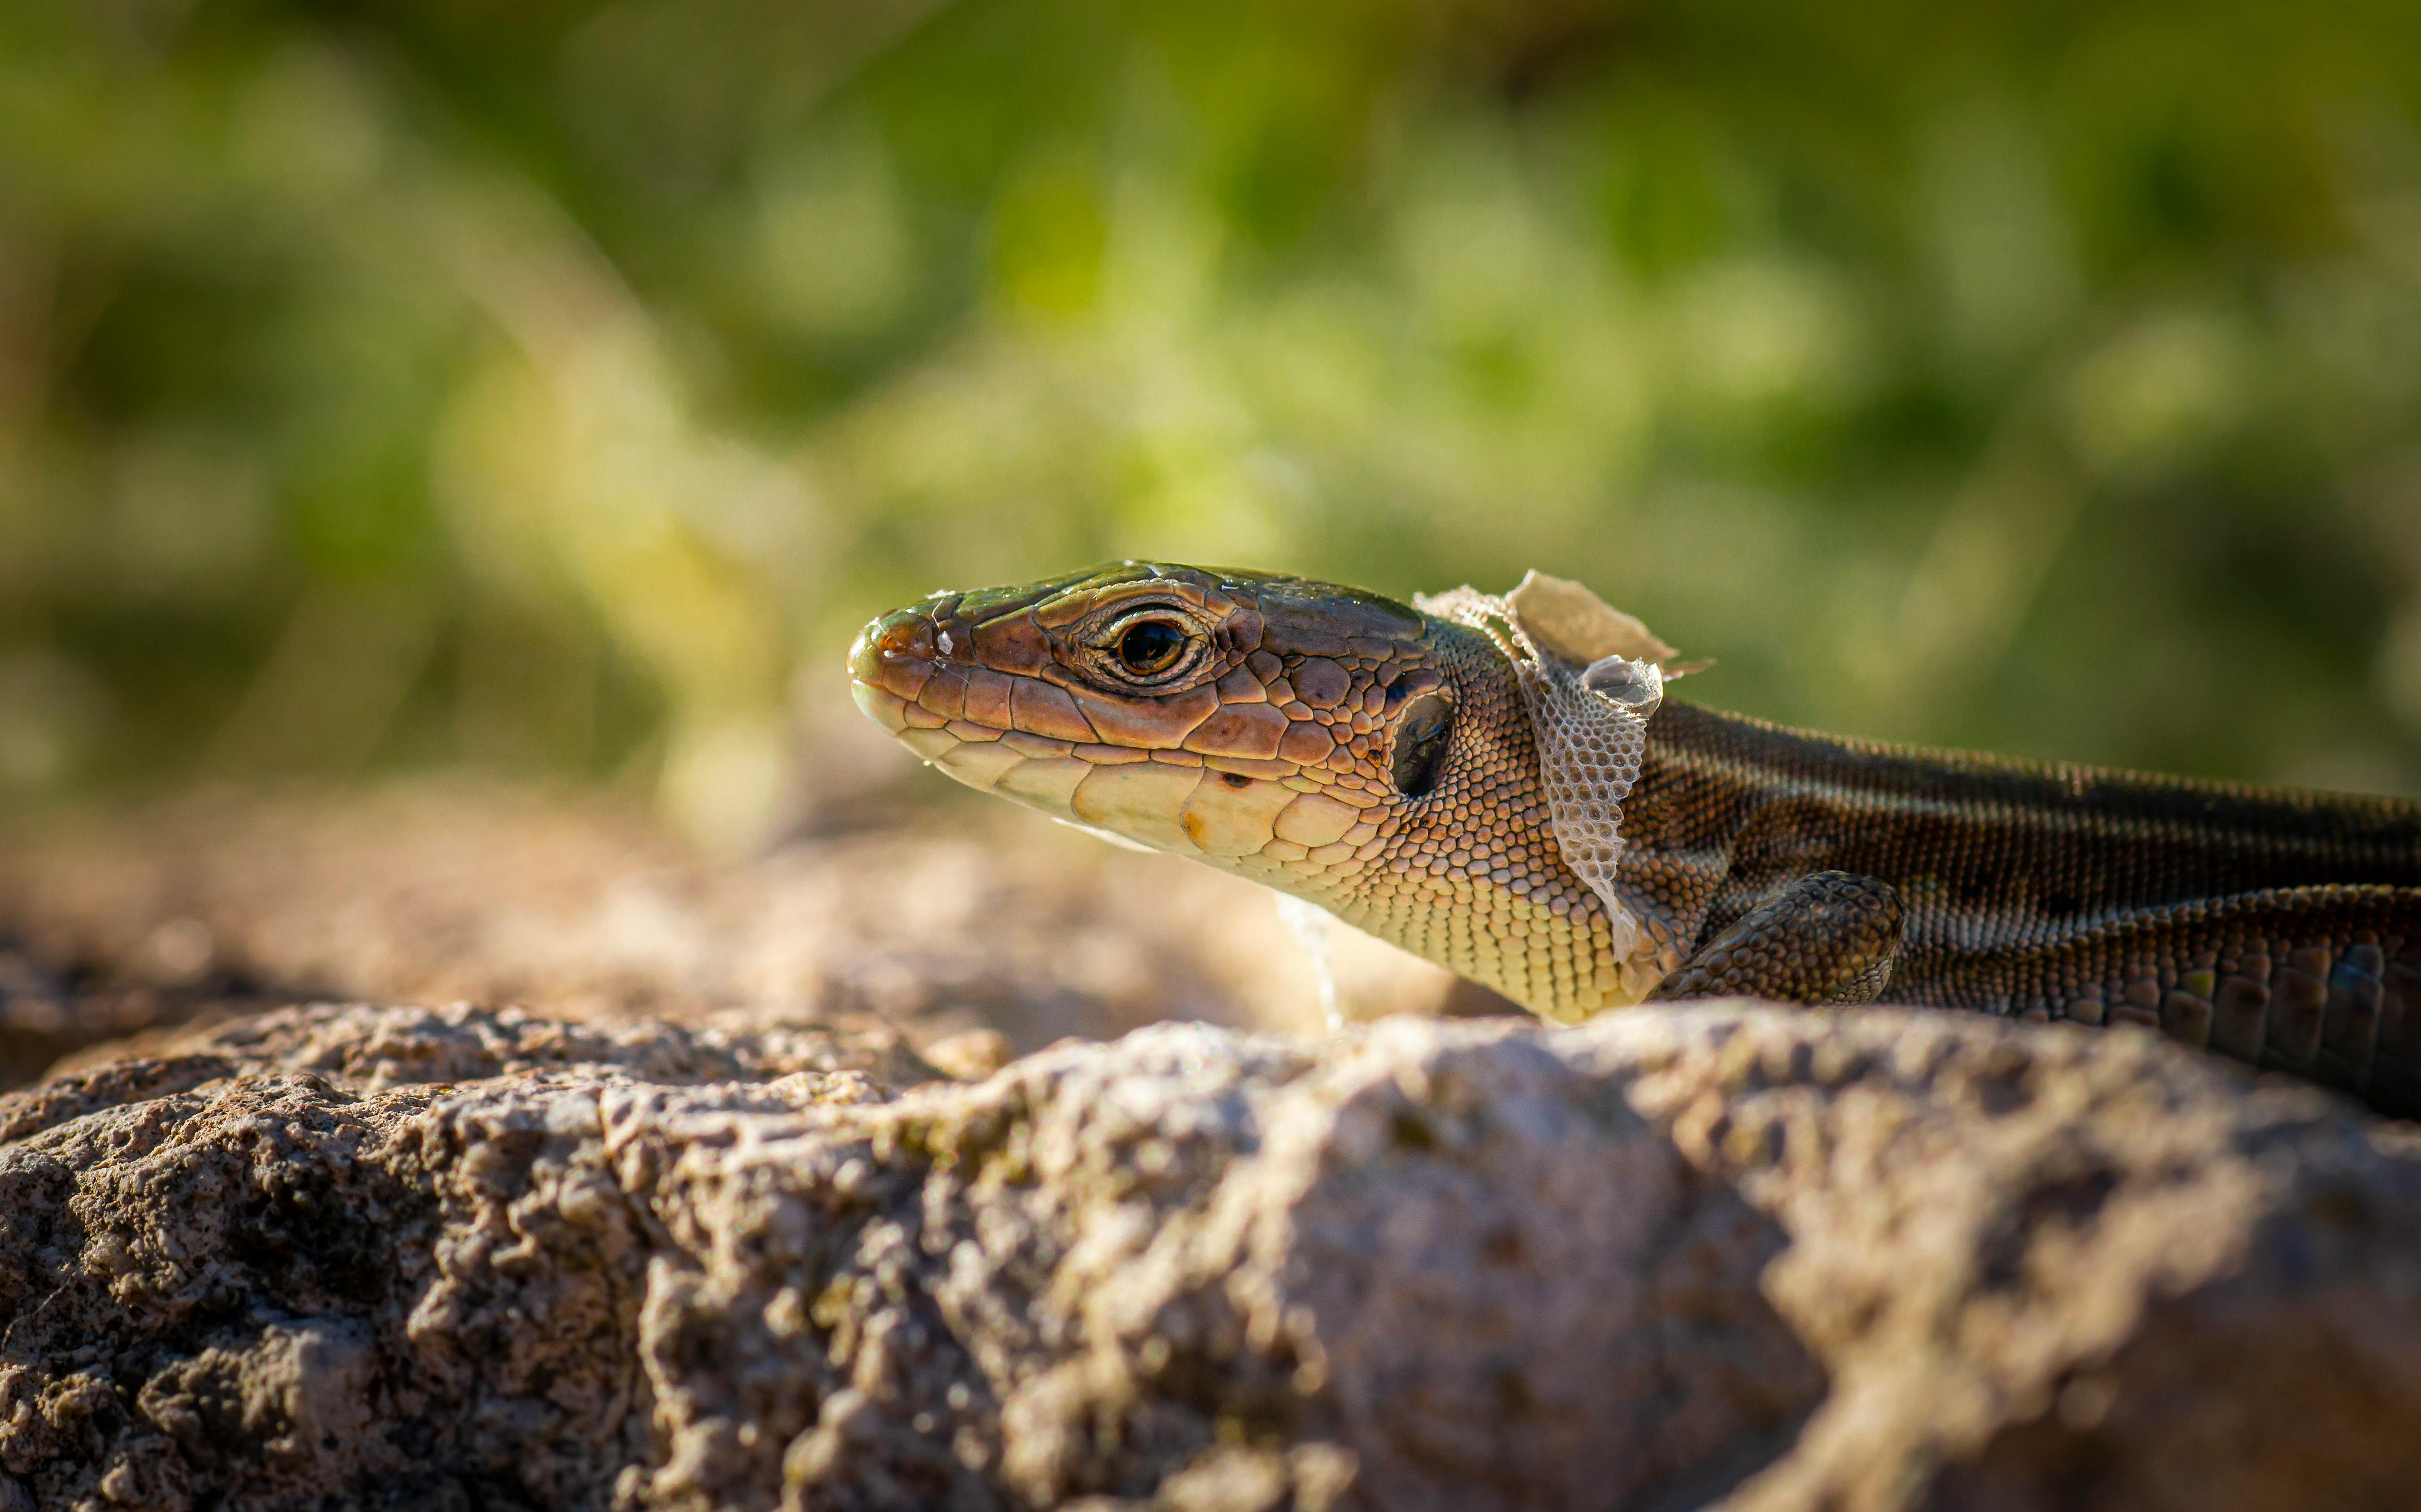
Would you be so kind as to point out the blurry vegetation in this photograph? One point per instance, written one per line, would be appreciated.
(556, 386)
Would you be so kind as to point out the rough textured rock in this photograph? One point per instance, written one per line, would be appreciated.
(1736, 1257)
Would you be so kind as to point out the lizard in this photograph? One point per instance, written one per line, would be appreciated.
(1499, 784)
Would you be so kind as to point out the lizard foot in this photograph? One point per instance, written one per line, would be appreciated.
(1829, 937)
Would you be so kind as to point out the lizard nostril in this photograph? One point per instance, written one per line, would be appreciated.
(904, 635)
(1235, 779)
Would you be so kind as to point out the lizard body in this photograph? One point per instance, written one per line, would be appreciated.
(1499, 785)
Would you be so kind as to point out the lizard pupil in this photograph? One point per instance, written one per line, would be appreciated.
(1149, 646)
(1420, 743)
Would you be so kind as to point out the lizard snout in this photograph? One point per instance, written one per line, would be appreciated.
(900, 636)
(890, 663)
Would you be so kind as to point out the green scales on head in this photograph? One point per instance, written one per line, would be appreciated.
(1499, 784)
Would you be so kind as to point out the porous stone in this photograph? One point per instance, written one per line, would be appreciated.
(1738, 1256)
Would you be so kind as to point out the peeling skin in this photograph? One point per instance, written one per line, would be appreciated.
(1266, 748)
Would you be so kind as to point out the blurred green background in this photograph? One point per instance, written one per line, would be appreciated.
(554, 386)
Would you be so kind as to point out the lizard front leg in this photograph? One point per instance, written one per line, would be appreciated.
(1829, 937)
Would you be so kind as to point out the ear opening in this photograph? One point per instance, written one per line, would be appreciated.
(1423, 732)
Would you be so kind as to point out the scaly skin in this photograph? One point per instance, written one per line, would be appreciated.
(2282, 929)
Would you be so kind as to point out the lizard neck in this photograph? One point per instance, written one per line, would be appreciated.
(1471, 875)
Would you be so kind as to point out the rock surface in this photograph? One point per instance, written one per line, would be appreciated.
(1735, 1256)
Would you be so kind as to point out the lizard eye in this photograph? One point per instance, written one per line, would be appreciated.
(1420, 743)
(1151, 645)
(1142, 650)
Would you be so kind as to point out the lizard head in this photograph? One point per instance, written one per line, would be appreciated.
(1411, 769)
(1244, 718)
